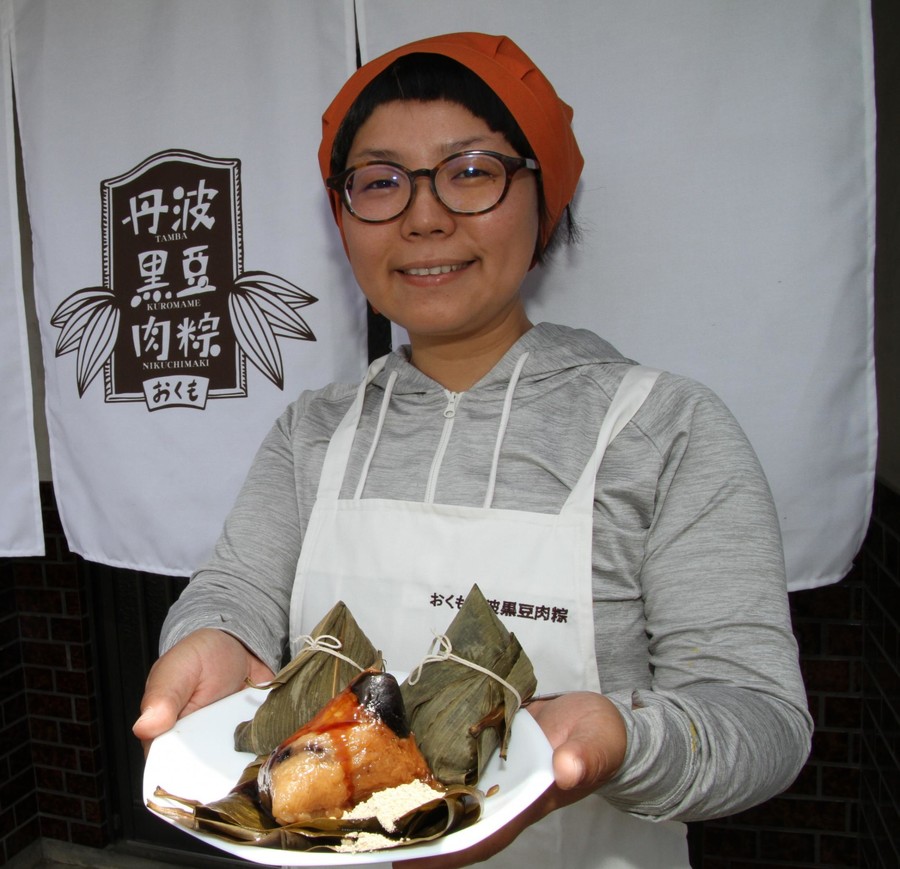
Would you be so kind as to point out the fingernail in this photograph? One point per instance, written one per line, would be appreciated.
(579, 769)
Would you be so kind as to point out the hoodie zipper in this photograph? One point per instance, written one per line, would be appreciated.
(453, 399)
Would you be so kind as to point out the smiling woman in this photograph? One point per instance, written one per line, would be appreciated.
(615, 516)
(446, 277)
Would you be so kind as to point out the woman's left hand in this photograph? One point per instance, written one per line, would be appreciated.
(589, 740)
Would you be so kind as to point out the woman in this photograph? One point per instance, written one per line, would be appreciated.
(617, 515)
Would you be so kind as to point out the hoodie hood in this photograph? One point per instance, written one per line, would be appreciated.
(552, 350)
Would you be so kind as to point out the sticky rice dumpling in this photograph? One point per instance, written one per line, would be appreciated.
(357, 745)
(352, 779)
(308, 682)
(460, 715)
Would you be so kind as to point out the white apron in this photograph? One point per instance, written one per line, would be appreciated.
(403, 567)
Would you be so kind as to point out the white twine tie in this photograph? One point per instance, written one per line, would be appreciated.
(324, 643)
(445, 653)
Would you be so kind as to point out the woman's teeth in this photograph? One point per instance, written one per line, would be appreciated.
(436, 270)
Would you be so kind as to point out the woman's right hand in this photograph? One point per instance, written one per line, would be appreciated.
(589, 739)
(205, 666)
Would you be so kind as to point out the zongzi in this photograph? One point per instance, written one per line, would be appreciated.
(313, 677)
(462, 710)
(357, 745)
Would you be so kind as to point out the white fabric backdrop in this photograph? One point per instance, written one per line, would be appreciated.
(727, 202)
(21, 532)
(101, 86)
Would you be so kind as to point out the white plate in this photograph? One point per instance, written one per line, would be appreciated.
(197, 760)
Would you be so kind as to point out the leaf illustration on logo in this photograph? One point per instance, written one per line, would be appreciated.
(256, 336)
(74, 313)
(89, 323)
(273, 285)
(96, 345)
(263, 307)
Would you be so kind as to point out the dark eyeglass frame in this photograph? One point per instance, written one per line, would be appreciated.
(511, 165)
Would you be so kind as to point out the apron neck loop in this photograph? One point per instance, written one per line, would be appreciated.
(338, 453)
(388, 390)
(504, 420)
(633, 390)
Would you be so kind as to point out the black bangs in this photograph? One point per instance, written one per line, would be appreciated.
(427, 77)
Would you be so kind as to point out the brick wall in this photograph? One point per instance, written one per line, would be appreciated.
(18, 793)
(51, 758)
(880, 746)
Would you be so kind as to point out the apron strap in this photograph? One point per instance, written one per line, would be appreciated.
(631, 394)
(382, 413)
(504, 421)
(338, 453)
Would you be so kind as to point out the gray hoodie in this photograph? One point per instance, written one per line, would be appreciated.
(693, 635)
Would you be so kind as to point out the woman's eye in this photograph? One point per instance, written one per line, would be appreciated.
(369, 182)
(473, 173)
(382, 183)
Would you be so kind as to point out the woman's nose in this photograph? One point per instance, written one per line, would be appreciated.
(426, 214)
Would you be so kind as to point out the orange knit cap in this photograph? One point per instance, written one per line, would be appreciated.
(544, 118)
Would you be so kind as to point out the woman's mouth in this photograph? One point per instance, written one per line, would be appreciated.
(435, 270)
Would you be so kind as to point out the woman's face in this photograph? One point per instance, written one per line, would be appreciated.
(482, 258)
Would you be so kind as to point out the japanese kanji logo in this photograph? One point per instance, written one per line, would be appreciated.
(177, 317)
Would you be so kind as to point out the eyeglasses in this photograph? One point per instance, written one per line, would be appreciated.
(470, 182)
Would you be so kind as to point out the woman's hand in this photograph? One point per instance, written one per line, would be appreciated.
(203, 667)
(589, 740)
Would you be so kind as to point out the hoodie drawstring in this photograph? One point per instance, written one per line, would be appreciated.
(504, 422)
